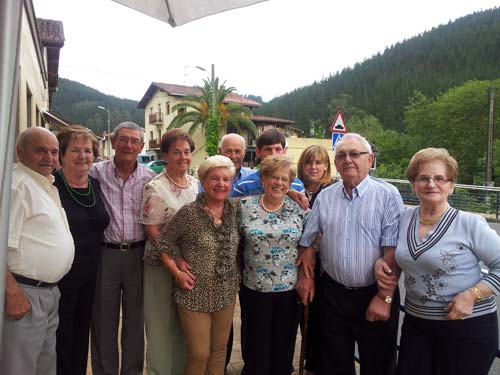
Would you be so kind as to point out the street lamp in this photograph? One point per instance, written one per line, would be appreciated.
(109, 126)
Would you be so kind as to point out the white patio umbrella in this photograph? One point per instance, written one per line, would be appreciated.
(175, 12)
(179, 12)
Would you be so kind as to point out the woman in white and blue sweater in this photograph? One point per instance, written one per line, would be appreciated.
(450, 325)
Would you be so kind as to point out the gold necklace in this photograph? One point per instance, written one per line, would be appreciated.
(267, 209)
(217, 220)
(175, 183)
(429, 222)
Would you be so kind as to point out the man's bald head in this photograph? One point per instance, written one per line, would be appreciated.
(233, 146)
(37, 148)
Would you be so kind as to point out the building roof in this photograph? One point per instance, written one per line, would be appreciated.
(180, 90)
(270, 120)
(51, 32)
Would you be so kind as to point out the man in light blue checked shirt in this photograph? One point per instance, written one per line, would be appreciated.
(358, 218)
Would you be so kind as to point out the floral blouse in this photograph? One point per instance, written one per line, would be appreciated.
(271, 244)
(210, 250)
(161, 200)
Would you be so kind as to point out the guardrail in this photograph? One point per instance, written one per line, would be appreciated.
(484, 200)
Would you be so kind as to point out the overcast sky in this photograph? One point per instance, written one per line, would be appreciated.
(267, 49)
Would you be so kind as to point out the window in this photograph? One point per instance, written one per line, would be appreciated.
(29, 105)
(167, 108)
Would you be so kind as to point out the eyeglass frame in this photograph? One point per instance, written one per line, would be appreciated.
(438, 180)
(352, 155)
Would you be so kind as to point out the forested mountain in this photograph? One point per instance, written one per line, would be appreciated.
(78, 103)
(431, 63)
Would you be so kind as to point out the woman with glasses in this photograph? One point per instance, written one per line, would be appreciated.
(450, 325)
(314, 170)
(271, 225)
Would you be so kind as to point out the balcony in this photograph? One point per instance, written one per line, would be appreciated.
(156, 118)
(154, 144)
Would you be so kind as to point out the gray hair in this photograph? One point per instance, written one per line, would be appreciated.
(229, 135)
(127, 125)
(357, 137)
(23, 138)
(216, 161)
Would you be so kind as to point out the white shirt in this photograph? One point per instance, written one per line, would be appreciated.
(40, 243)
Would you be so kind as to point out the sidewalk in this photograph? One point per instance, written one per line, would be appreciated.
(234, 367)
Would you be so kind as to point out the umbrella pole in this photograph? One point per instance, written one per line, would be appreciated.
(305, 323)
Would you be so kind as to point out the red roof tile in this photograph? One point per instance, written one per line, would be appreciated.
(273, 120)
(180, 90)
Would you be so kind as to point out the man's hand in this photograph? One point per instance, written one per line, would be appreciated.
(305, 290)
(16, 303)
(299, 198)
(307, 261)
(378, 310)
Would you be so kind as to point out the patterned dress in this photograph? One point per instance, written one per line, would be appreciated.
(165, 354)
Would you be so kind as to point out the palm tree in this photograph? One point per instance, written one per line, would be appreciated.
(198, 111)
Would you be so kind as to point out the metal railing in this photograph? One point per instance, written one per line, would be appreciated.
(483, 200)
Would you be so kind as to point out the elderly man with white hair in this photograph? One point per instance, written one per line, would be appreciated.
(40, 252)
(232, 145)
(359, 220)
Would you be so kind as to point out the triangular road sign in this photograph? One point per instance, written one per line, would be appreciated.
(338, 125)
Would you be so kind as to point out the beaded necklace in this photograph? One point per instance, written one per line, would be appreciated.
(267, 209)
(74, 194)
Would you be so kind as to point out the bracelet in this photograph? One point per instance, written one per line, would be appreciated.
(477, 292)
(177, 275)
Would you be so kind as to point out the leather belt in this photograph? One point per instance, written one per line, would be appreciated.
(32, 282)
(124, 246)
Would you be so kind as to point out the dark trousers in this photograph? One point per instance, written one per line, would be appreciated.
(342, 314)
(271, 328)
(119, 285)
(314, 325)
(448, 347)
(75, 313)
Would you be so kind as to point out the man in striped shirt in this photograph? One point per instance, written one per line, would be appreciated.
(358, 218)
(119, 280)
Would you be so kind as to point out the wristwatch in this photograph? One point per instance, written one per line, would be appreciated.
(386, 299)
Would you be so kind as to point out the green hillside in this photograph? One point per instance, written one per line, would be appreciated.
(432, 62)
(78, 103)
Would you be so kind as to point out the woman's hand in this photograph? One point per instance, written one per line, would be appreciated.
(184, 280)
(461, 305)
(386, 279)
(185, 267)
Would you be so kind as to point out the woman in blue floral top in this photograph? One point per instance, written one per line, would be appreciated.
(271, 224)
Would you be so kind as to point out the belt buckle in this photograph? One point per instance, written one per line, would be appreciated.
(124, 246)
(39, 283)
(351, 287)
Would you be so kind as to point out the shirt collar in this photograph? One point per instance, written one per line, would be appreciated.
(359, 189)
(45, 181)
(117, 172)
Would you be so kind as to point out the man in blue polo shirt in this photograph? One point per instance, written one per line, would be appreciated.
(233, 146)
(270, 142)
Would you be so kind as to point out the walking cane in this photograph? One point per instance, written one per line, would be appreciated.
(303, 343)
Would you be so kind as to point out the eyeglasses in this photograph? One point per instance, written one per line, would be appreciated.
(285, 180)
(352, 155)
(426, 180)
(134, 141)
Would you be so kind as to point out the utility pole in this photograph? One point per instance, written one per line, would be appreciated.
(489, 152)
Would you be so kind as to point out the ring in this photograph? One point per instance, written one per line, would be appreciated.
(462, 317)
